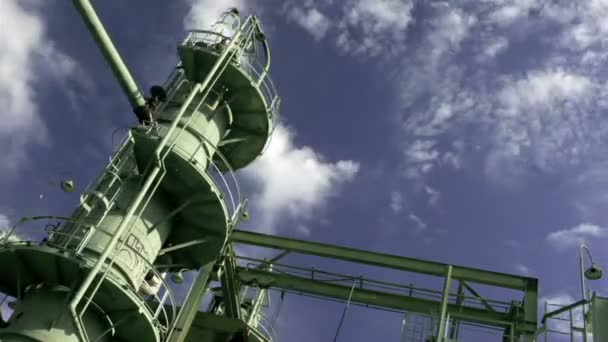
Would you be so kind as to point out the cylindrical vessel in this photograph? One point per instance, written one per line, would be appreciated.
(43, 316)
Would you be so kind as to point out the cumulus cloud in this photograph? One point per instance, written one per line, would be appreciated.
(589, 27)
(373, 27)
(508, 12)
(470, 88)
(568, 238)
(522, 269)
(204, 13)
(542, 90)
(420, 225)
(495, 47)
(26, 58)
(433, 195)
(294, 181)
(396, 202)
(364, 28)
(311, 19)
(539, 112)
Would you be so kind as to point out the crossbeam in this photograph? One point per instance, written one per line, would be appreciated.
(383, 260)
(525, 322)
(266, 279)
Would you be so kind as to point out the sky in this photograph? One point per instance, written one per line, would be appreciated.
(465, 132)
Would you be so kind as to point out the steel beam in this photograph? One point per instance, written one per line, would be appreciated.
(477, 295)
(444, 304)
(530, 309)
(384, 260)
(191, 305)
(265, 279)
(230, 288)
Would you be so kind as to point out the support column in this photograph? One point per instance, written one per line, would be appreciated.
(191, 305)
(444, 304)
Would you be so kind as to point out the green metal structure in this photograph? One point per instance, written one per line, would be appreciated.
(168, 203)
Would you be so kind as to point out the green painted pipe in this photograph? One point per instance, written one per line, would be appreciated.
(110, 53)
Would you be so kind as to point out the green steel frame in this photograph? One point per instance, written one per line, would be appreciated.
(519, 320)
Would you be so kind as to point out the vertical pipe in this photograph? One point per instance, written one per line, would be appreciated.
(546, 310)
(110, 53)
(584, 292)
(444, 304)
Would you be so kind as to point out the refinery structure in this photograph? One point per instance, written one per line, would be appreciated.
(168, 204)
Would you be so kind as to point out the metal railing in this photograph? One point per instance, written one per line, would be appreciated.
(20, 234)
(568, 323)
(225, 183)
(266, 329)
(376, 285)
(249, 63)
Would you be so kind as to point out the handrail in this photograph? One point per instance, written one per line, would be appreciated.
(251, 65)
(562, 310)
(265, 327)
(218, 179)
(230, 189)
(410, 290)
(165, 289)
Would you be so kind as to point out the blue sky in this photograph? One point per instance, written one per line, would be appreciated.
(469, 132)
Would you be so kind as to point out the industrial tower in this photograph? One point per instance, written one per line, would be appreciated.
(165, 203)
(168, 203)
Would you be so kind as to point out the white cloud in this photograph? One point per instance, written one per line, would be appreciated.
(449, 30)
(510, 11)
(541, 110)
(420, 224)
(396, 202)
(294, 181)
(522, 269)
(365, 28)
(433, 195)
(590, 27)
(26, 56)
(420, 156)
(204, 13)
(538, 122)
(495, 47)
(587, 192)
(312, 20)
(304, 230)
(542, 91)
(575, 236)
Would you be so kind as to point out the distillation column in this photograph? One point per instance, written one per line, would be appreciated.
(165, 202)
